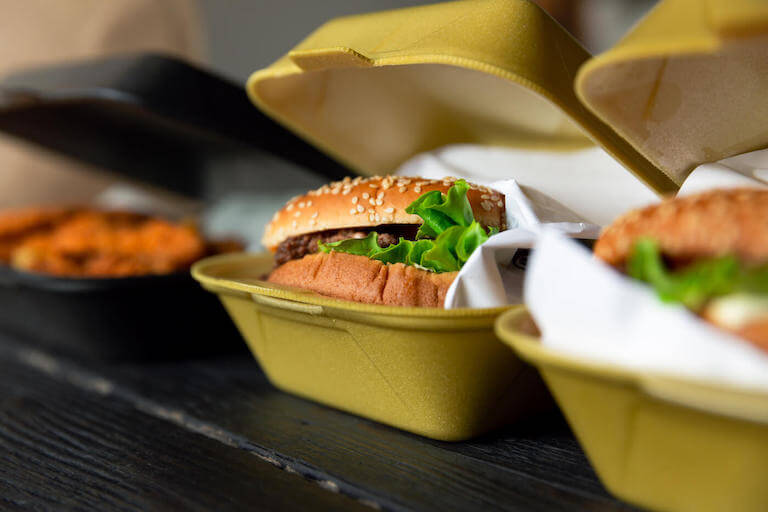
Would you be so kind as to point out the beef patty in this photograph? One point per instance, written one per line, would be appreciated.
(297, 247)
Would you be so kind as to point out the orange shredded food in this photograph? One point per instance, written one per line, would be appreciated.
(79, 242)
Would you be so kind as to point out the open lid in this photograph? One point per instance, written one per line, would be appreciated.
(688, 85)
(374, 90)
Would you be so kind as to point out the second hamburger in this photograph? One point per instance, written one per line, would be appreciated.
(708, 252)
(390, 240)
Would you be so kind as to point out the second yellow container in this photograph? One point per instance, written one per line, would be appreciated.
(660, 442)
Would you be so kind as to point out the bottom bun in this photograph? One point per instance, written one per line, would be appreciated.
(756, 332)
(360, 279)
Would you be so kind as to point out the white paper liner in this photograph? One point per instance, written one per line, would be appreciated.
(587, 181)
(587, 309)
(582, 306)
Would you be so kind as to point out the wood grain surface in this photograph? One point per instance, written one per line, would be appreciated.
(67, 448)
(214, 434)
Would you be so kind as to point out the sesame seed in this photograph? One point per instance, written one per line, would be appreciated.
(371, 210)
(314, 215)
(377, 217)
(360, 208)
(372, 202)
(309, 203)
(335, 191)
(302, 204)
(345, 191)
(389, 210)
(379, 195)
(353, 212)
(355, 200)
(289, 207)
(297, 214)
(371, 217)
(499, 203)
(312, 222)
(417, 189)
(379, 202)
(386, 185)
(366, 195)
(402, 189)
(485, 196)
(487, 205)
(373, 185)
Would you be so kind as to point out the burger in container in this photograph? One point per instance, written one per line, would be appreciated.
(654, 345)
(347, 307)
(355, 303)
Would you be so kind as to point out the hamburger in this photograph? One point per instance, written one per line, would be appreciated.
(708, 252)
(390, 240)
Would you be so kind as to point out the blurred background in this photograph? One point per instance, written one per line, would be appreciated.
(232, 38)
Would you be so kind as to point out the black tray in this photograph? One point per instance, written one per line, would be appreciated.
(150, 317)
(155, 118)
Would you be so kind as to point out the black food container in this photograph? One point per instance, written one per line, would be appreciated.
(151, 118)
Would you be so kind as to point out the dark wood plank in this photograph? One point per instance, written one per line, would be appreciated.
(534, 466)
(64, 448)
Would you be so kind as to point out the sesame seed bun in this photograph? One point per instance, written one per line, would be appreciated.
(360, 279)
(370, 202)
(705, 225)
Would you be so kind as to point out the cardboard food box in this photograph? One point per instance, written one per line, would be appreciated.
(377, 89)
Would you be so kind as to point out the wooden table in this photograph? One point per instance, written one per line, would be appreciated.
(214, 435)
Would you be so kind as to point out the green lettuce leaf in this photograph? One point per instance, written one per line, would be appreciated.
(697, 283)
(440, 212)
(417, 253)
(395, 253)
(456, 205)
(358, 246)
(441, 257)
(434, 222)
(445, 241)
(471, 238)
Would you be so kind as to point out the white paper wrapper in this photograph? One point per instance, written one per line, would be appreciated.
(587, 309)
(490, 278)
(563, 192)
(588, 181)
(747, 170)
(582, 306)
(542, 188)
